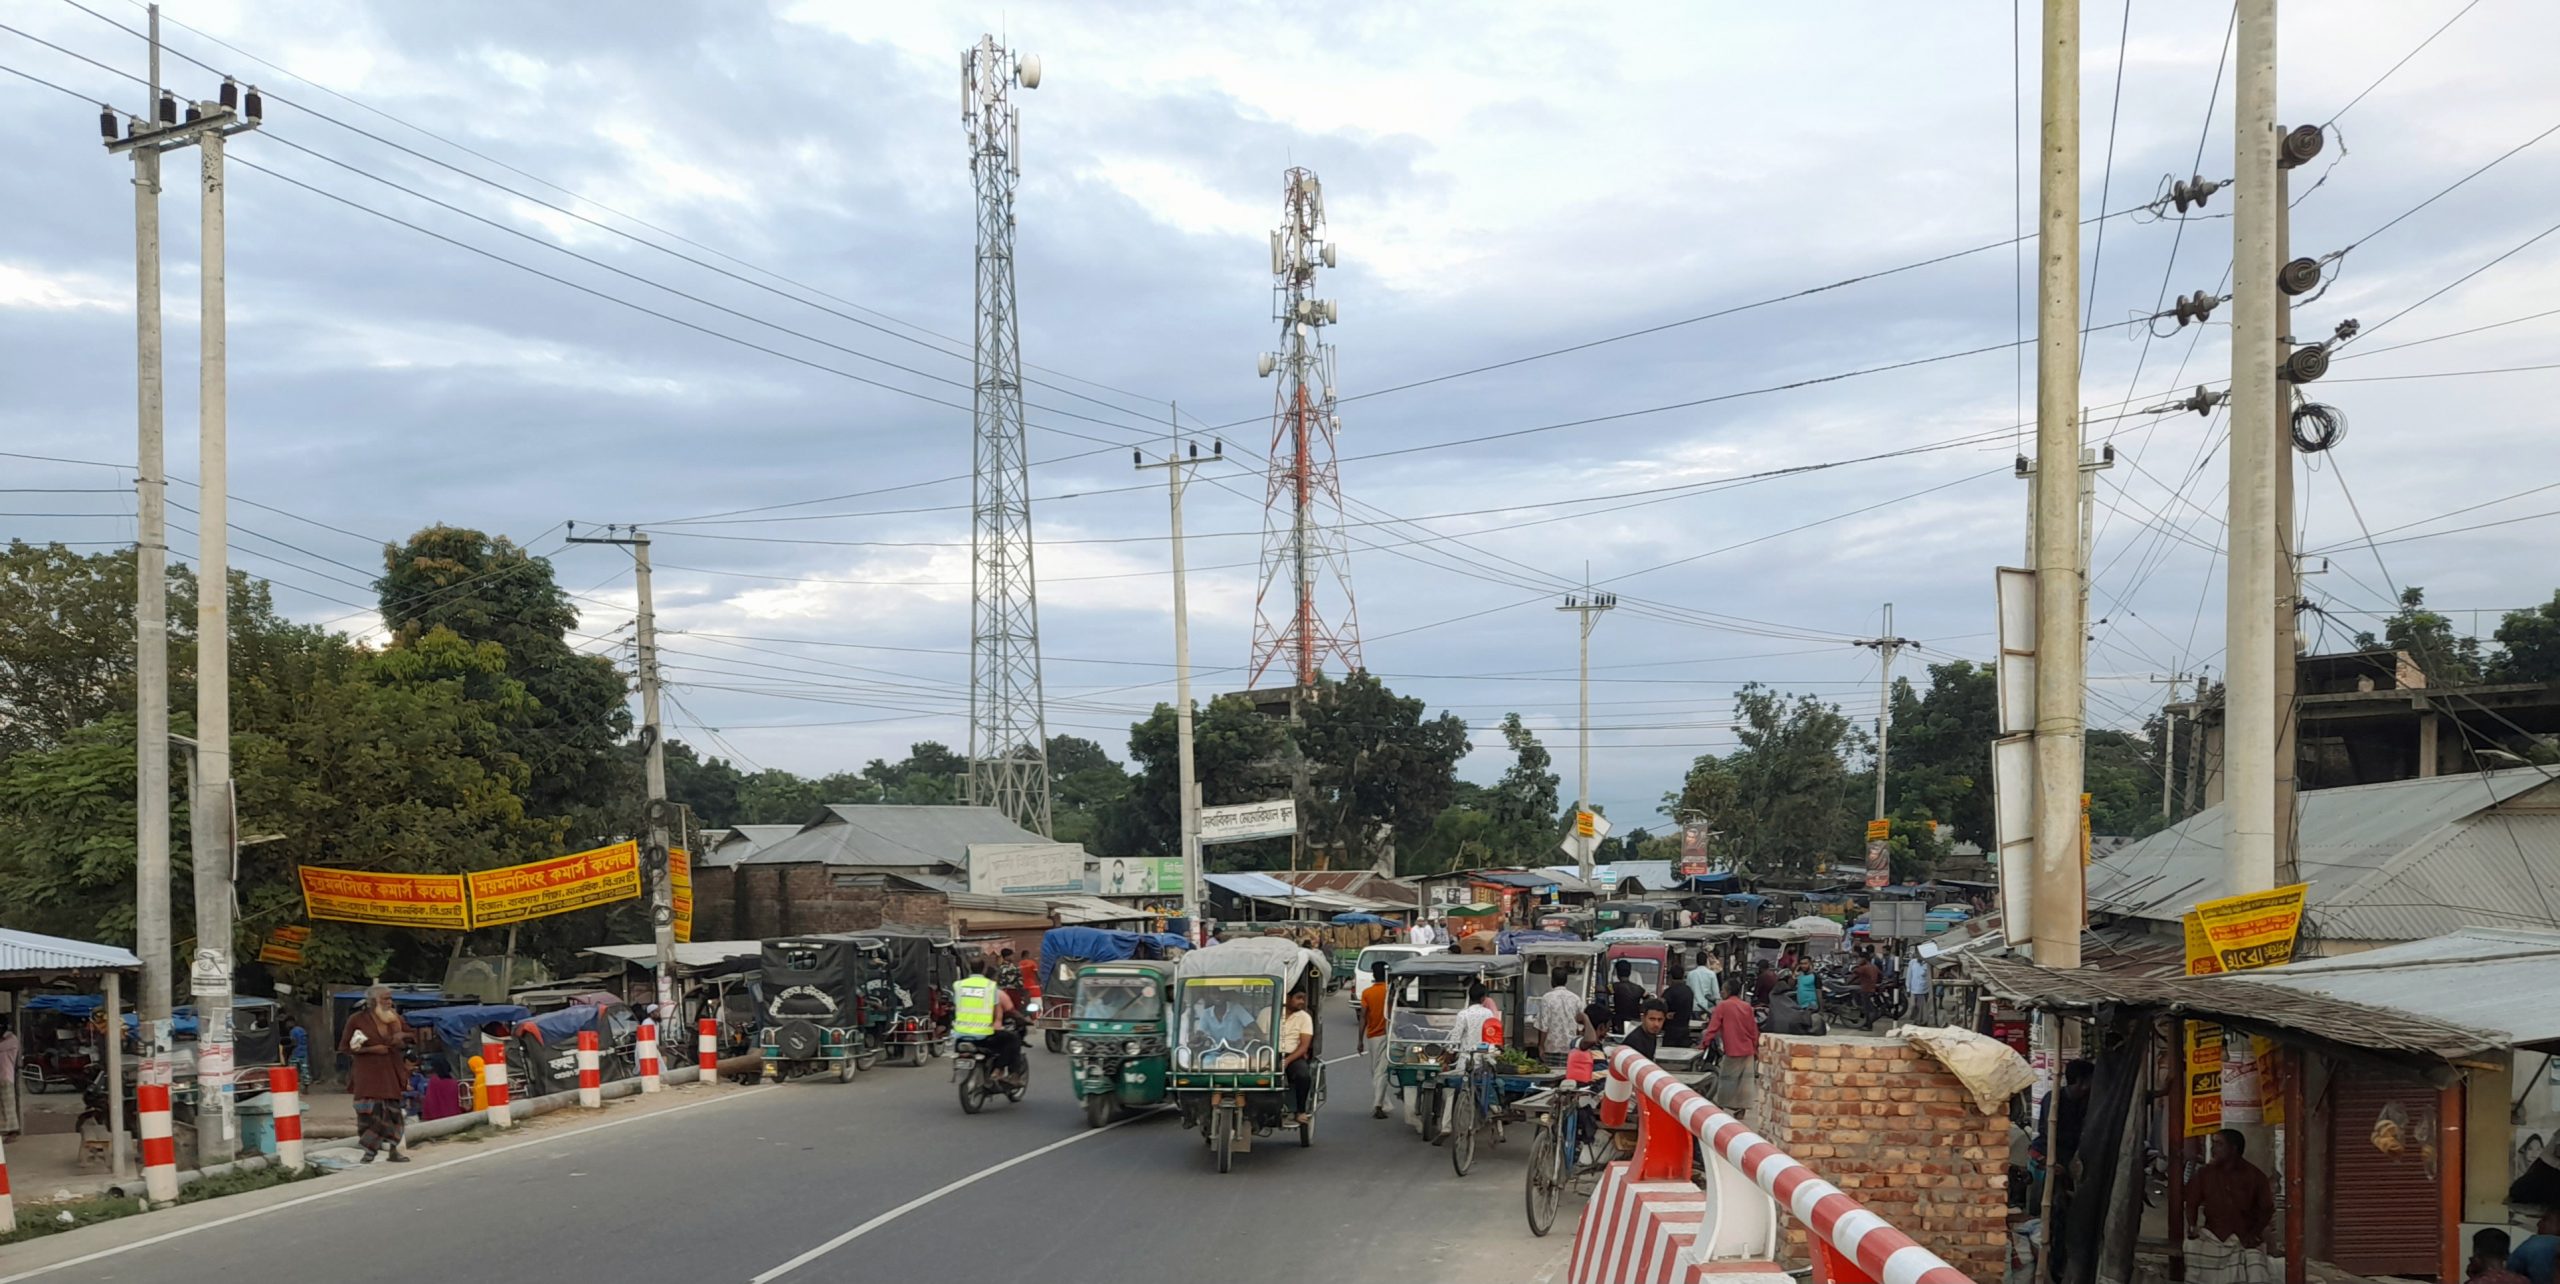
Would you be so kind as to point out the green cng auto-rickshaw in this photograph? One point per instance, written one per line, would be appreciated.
(1117, 1047)
(1229, 1075)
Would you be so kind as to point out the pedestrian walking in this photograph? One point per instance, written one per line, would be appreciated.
(374, 1040)
(1733, 1032)
(10, 1120)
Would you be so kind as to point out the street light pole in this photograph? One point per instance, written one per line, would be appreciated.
(1588, 606)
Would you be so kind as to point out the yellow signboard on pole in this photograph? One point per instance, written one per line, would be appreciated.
(1879, 831)
(2235, 934)
(1585, 824)
(539, 889)
(680, 890)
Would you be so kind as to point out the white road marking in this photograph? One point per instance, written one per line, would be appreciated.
(383, 1180)
(928, 1197)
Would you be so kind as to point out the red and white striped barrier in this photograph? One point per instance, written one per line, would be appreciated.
(159, 1143)
(706, 1053)
(590, 1071)
(284, 1088)
(649, 1070)
(1851, 1245)
(493, 1076)
(8, 1206)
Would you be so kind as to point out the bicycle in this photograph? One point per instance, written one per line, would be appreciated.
(1474, 1110)
(1562, 1155)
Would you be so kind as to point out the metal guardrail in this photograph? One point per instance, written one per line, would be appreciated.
(1852, 1245)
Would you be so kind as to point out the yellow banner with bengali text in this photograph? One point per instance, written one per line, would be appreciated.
(539, 889)
(389, 900)
(680, 890)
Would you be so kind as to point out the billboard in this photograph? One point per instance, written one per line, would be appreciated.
(1025, 869)
(1140, 876)
(1244, 821)
(1695, 858)
(391, 900)
(680, 890)
(542, 888)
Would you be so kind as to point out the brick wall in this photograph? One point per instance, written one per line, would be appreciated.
(1895, 1131)
(758, 902)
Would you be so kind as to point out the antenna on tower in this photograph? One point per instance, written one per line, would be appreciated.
(1008, 732)
(1304, 617)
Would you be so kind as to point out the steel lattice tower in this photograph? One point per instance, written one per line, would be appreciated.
(1304, 617)
(1008, 740)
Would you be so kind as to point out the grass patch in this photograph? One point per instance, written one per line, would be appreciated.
(36, 1221)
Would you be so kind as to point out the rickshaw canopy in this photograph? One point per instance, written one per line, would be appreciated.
(1254, 956)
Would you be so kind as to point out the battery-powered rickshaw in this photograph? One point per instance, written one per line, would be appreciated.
(1230, 1077)
(1425, 997)
(1579, 964)
(1118, 1048)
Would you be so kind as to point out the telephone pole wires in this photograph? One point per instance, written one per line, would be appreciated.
(1589, 606)
(653, 740)
(1177, 471)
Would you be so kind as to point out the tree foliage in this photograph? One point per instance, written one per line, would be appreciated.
(2428, 637)
(1786, 799)
(1378, 771)
(1941, 749)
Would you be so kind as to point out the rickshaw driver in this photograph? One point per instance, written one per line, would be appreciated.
(983, 1012)
(1297, 1042)
(1226, 1024)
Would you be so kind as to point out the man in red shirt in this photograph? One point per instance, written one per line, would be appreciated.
(1734, 1031)
(1373, 1029)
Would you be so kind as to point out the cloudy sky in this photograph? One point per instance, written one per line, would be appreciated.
(1532, 177)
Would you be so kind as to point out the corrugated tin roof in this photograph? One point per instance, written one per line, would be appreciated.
(2493, 980)
(2246, 1000)
(733, 845)
(893, 836)
(2367, 851)
(28, 952)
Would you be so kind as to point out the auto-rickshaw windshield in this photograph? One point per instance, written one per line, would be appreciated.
(1226, 1021)
(1119, 998)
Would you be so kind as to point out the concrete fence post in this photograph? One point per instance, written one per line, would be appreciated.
(493, 1075)
(590, 1071)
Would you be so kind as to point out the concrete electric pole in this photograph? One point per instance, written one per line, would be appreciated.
(1885, 647)
(2249, 720)
(1177, 474)
(653, 740)
(2057, 893)
(1589, 606)
(214, 847)
(2169, 739)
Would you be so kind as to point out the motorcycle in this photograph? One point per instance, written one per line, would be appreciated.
(977, 1080)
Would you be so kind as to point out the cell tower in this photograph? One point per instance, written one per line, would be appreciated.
(1008, 734)
(1304, 617)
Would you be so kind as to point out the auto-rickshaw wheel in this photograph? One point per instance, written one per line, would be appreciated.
(1223, 1139)
(1430, 1106)
(866, 1058)
(1054, 1040)
(1307, 1129)
(1097, 1109)
(844, 1069)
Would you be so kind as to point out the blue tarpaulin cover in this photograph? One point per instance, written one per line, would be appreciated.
(459, 1026)
(1100, 945)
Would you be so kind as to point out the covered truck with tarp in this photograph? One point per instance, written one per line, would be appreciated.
(812, 995)
(1065, 950)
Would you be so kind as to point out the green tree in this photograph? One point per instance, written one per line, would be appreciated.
(1463, 836)
(486, 589)
(1237, 754)
(1378, 771)
(2122, 778)
(2529, 645)
(1941, 749)
(2428, 637)
(709, 788)
(1785, 799)
(1524, 802)
(1085, 786)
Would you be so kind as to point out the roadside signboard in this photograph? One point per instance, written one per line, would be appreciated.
(1879, 830)
(1140, 876)
(1025, 869)
(1582, 840)
(1241, 822)
(1694, 856)
(1879, 863)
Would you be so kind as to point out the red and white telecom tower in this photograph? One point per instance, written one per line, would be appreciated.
(1304, 617)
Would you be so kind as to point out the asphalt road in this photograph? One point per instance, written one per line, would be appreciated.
(883, 1178)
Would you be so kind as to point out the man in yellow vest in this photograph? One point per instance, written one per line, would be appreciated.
(983, 1013)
